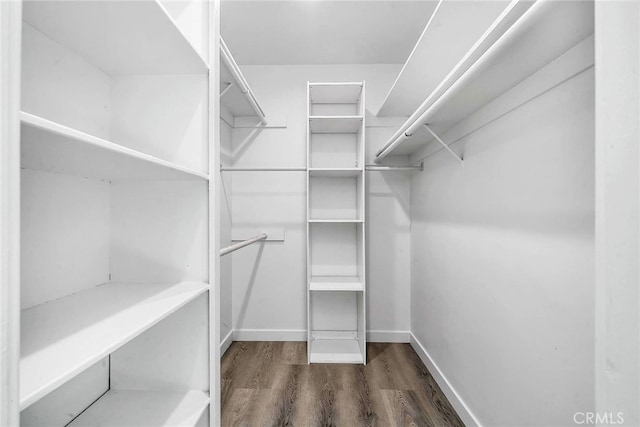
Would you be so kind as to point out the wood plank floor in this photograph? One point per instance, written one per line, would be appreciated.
(270, 384)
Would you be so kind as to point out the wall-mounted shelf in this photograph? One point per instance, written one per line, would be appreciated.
(462, 22)
(337, 221)
(236, 94)
(63, 337)
(53, 147)
(335, 124)
(324, 350)
(119, 408)
(336, 283)
(109, 34)
(335, 92)
(506, 57)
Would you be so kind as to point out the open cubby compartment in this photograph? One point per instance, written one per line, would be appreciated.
(336, 150)
(336, 195)
(102, 262)
(158, 378)
(336, 99)
(336, 327)
(119, 71)
(336, 256)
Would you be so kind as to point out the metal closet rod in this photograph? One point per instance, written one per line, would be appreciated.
(427, 109)
(276, 169)
(239, 78)
(240, 245)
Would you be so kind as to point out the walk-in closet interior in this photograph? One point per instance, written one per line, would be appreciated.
(337, 213)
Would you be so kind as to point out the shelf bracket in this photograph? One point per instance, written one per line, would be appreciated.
(444, 145)
(226, 89)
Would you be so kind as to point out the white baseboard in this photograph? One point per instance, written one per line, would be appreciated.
(389, 336)
(301, 335)
(270, 335)
(458, 404)
(226, 342)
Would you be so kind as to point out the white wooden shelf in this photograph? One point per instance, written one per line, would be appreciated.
(63, 337)
(118, 408)
(53, 147)
(335, 351)
(335, 283)
(335, 172)
(335, 124)
(335, 93)
(311, 220)
(238, 98)
(110, 35)
(461, 22)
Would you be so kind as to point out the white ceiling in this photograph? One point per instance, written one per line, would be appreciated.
(277, 32)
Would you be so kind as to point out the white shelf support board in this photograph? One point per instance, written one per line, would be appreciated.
(64, 337)
(109, 35)
(336, 283)
(335, 124)
(118, 408)
(53, 147)
(324, 350)
(335, 93)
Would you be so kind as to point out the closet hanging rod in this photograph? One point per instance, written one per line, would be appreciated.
(240, 245)
(367, 167)
(239, 78)
(426, 110)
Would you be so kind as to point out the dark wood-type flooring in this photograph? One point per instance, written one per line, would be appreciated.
(270, 384)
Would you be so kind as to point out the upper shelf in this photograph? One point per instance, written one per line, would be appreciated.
(53, 147)
(62, 338)
(119, 37)
(236, 94)
(541, 35)
(460, 23)
(335, 93)
(335, 124)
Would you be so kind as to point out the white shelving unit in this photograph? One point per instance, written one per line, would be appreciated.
(336, 279)
(114, 250)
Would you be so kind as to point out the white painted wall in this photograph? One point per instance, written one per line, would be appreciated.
(502, 277)
(617, 210)
(269, 289)
(65, 228)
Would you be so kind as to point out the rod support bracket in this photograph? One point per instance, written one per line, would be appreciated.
(444, 145)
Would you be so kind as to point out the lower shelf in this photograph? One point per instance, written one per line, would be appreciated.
(335, 283)
(335, 351)
(62, 338)
(119, 408)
